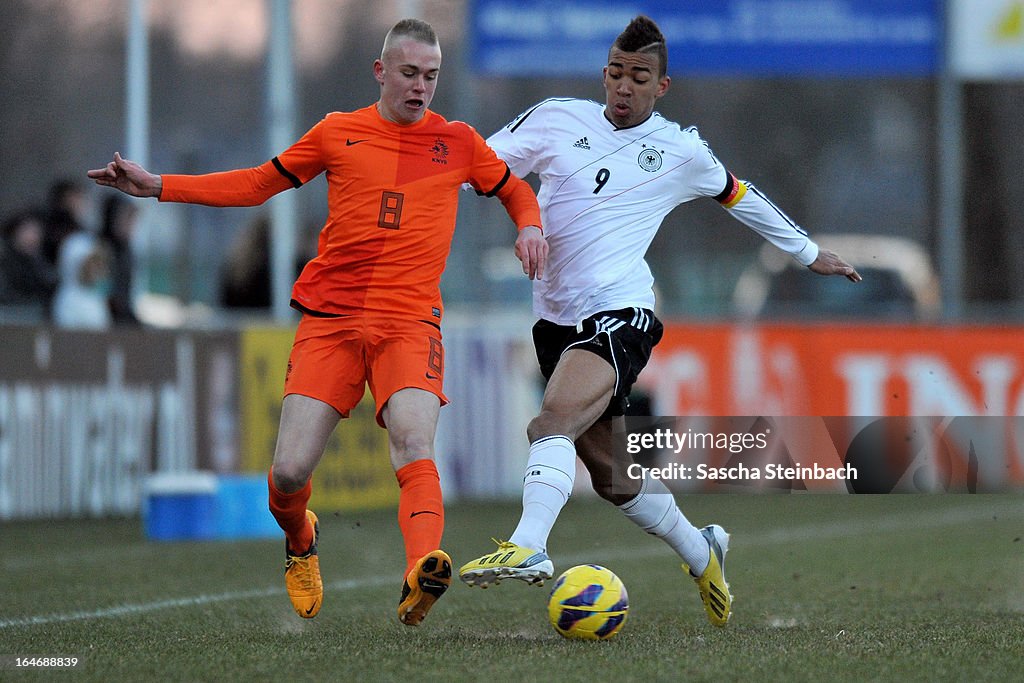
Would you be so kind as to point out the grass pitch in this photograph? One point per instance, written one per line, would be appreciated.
(826, 587)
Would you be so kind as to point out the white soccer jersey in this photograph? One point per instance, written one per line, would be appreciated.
(604, 193)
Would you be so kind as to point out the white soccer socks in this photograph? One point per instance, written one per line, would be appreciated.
(550, 473)
(655, 511)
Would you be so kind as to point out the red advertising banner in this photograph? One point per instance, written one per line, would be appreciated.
(796, 370)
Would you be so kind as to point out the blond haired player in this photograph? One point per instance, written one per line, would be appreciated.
(370, 299)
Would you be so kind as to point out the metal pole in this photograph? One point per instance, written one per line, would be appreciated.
(137, 83)
(950, 181)
(280, 100)
(136, 116)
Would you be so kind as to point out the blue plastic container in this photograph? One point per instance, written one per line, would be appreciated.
(180, 506)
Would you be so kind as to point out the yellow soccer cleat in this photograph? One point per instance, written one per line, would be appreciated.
(509, 561)
(714, 591)
(302, 575)
(427, 581)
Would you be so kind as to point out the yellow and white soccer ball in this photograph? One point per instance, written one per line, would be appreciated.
(588, 602)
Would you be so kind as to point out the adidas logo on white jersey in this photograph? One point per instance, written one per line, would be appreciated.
(582, 143)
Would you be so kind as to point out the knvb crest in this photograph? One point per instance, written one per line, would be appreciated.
(439, 152)
(650, 159)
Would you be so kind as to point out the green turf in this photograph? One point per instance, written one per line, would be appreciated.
(827, 588)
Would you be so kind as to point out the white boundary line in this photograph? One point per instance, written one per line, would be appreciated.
(194, 601)
(889, 524)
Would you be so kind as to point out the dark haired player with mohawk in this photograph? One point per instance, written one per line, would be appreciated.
(609, 174)
(370, 300)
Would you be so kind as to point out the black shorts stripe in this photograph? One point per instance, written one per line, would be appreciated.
(641, 319)
(292, 178)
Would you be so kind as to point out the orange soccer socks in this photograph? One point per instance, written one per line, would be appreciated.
(420, 509)
(428, 569)
(302, 565)
(289, 509)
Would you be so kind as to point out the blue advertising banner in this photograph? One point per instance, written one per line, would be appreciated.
(746, 38)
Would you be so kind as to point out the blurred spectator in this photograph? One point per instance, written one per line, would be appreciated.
(245, 276)
(81, 301)
(26, 277)
(67, 209)
(116, 230)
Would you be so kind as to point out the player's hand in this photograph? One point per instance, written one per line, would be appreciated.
(532, 251)
(129, 177)
(829, 263)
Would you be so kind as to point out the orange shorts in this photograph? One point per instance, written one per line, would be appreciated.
(333, 359)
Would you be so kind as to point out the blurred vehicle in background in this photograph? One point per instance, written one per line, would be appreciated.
(899, 283)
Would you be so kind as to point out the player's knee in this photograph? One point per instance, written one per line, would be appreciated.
(610, 488)
(289, 477)
(411, 446)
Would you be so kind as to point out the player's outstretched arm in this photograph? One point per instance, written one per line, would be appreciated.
(532, 251)
(521, 204)
(830, 263)
(129, 177)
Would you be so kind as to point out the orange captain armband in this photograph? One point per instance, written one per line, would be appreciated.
(733, 192)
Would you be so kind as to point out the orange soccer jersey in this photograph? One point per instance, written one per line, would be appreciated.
(392, 200)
